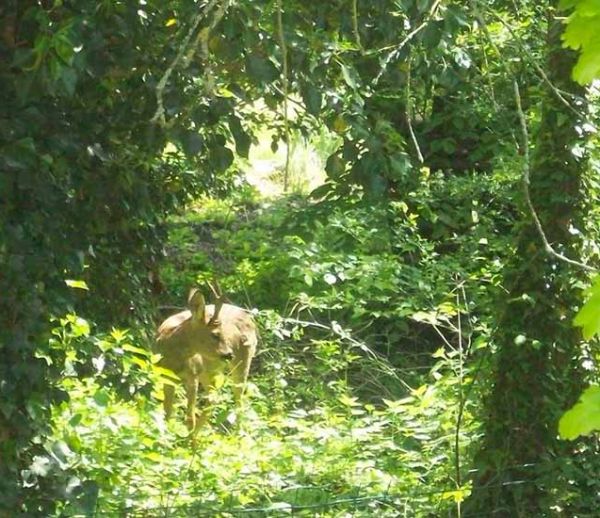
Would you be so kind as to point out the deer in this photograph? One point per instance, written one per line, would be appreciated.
(203, 342)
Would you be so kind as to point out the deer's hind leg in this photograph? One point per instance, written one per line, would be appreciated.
(241, 369)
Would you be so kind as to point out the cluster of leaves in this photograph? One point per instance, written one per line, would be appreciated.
(107, 367)
(294, 444)
(584, 417)
(580, 34)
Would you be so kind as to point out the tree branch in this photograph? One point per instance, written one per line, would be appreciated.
(185, 52)
(397, 48)
(533, 62)
(525, 146)
(409, 114)
(526, 181)
(355, 26)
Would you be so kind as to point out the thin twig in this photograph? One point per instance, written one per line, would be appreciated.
(461, 404)
(284, 80)
(345, 335)
(397, 48)
(202, 43)
(355, 26)
(409, 114)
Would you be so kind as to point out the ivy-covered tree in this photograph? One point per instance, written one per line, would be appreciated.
(538, 365)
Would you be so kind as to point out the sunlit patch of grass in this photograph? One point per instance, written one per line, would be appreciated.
(265, 167)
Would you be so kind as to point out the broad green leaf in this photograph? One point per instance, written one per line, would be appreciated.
(221, 158)
(261, 69)
(242, 140)
(588, 67)
(137, 350)
(584, 417)
(101, 397)
(80, 285)
(350, 77)
(312, 98)
(69, 79)
(63, 48)
(348, 401)
(588, 317)
(192, 143)
(165, 374)
(334, 167)
(139, 362)
(582, 34)
(75, 420)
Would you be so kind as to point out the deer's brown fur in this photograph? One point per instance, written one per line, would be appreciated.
(202, 342)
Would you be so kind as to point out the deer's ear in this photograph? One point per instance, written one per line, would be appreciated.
(197, 304)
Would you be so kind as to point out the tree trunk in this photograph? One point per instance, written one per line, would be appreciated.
(537, 372)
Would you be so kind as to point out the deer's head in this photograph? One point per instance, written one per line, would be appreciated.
(208, 331)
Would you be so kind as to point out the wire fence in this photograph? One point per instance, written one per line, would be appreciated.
(426, 503)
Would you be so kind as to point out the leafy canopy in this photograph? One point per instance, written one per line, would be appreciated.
(582, 34)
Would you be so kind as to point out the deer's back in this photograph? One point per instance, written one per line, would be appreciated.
(180, 337)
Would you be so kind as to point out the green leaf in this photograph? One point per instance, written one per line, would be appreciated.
(567, 4)
(588, 67)
(335, 166)
(242, 140)
(588, 317)
(192, 143)
(261, 69)
(75, 420)
(584, 417)
(101, 397)
(80, 285)
(137, 350)
(432, 35)
(118, 334)
(350, 77)
(582, 34)
(312, 99)
(221, 158)
(139, 362)
(69, 79)
(63, 48)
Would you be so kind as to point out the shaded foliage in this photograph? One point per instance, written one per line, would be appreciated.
(422, 194)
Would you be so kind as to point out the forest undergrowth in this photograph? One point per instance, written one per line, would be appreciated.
(363, 396)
